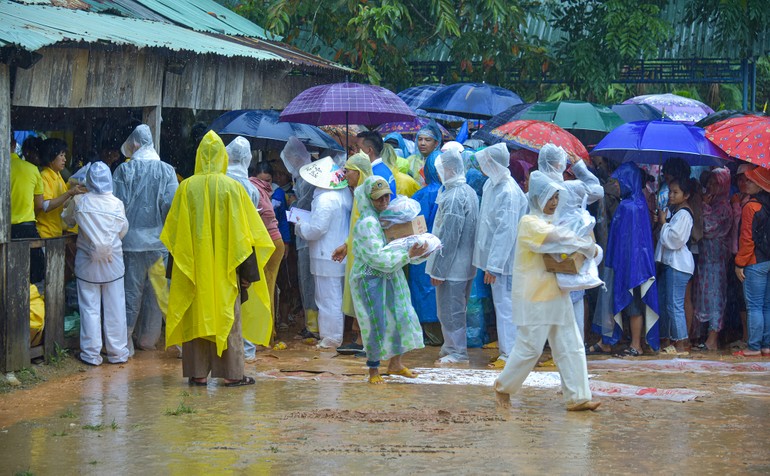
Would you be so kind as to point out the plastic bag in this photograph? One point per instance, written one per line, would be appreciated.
(36, 315)
(587, 278)
(476, 312)
(401, 210)
(407, 242)
(79, 177)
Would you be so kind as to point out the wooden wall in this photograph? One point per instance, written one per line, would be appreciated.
(83, 77)
(5, 155)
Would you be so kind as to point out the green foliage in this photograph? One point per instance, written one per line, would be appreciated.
(98, 427)
(599, 37)
(68, 414)
(59, 356)
(380, 37)
(735, 23)
(181, 409)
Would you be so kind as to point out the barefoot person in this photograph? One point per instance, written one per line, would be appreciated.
(541, 310)
(389, 325)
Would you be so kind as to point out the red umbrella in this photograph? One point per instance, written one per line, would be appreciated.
(532, 135)
(745, 138)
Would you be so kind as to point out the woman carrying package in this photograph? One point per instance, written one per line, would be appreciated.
(389, 325)
(541, 310)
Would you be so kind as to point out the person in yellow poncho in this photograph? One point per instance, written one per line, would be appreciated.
(213, 234)
(405, 184)
(357, 169)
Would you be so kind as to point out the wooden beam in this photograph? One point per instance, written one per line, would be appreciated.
(5, 154)
(152, 117)
(53, 332)
(14, 328)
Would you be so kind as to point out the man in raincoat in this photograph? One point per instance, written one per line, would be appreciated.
(214, 235)
(503, 204)
(99, 269)
(146, 185)
(552, 161)
(370, 143)
(450, 269)
(327, 227)
(428, 146)
(541, 310)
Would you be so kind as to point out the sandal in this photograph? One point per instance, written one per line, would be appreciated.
(742, 353)
(630, 352)
(404, 372)
(498, 364)
(192, 381)
(596, 349)
(240, 383)
(376, 379)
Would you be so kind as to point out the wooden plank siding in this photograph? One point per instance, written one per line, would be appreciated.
(53, 332)
(5, 155)
(14, 327)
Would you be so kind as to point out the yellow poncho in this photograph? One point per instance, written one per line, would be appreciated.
(405, 184)
(359, 162)
(211, 229)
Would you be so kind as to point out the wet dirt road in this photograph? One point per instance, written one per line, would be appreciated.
(312, 413)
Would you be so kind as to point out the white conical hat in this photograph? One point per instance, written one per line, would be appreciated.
(324, 173)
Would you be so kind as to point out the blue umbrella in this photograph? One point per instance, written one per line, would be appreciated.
(417, 95)
(637, 112)
(472, 100)
(263, 126)
(654, 142)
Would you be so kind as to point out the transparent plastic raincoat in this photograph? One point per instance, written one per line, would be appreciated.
(211, 229)
(389, 325)
(359, 162)
(503, 204)
(455, 223)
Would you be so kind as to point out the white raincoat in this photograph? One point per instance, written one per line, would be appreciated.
(99, 268)
(541, 310)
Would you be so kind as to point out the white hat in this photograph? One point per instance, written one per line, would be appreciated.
(324, 173)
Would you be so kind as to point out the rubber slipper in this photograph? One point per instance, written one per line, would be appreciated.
(596, 349)
(405, 372)
(191, 381)
(240, 383)
(630, 352)
(742, 353)
(498, 364)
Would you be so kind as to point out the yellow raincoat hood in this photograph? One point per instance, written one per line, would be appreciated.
(211, 229)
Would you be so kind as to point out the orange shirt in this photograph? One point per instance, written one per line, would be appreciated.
(746, 255)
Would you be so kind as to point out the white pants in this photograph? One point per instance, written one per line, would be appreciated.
(568, 354)
(451, 307)
(328, 298)
(580, 317)
(91, 299)
(506, 329)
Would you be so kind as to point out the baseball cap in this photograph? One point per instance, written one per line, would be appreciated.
(379, 188)
(761, 177)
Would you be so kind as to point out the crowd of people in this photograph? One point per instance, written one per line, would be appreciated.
(217, 256)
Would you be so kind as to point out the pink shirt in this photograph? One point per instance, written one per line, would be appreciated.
(266, 207)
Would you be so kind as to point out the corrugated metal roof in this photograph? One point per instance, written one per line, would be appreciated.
(32, 27)
(199, 15)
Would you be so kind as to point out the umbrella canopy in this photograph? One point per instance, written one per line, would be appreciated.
(262, 125)
(723, 115)
(533, 135)
(417, 95)
(674, 107)
(346, 103)
(587, 121)
(504, 117)
(745, 138)
(409, 129)
(343, 134)
(654, 142)
(472, 100)
(637, 112)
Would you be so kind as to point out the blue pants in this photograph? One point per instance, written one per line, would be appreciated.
(671, 290)
(756, 290)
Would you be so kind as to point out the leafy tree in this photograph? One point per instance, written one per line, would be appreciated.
(735, 23)
(483, 39)
(599, 36)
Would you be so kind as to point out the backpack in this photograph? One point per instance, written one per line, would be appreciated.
(760, 229)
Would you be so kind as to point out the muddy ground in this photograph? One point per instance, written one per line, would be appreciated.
(312, 412)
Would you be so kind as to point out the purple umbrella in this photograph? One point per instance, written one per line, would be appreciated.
(409, 129)
(472, 100)
(654, 142)
(346, 103)
(674, 107)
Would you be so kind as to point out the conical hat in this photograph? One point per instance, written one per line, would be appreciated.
(324, 173)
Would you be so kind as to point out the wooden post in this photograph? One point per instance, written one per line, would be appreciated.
(5, 154)
(53, 333)
(151, 117)
(14, 329)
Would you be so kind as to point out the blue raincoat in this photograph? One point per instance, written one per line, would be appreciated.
(629, 261)
(423, 293)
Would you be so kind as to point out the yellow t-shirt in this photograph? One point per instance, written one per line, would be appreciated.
(50, 224)
(26, 182)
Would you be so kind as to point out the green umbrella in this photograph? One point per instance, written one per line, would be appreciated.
(587, 121)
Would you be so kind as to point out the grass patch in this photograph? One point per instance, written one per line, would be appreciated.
(59, 433)
(114, 425)
(184, 393)
(181, 409)
(28, 376)
(25, 473)
(93, 462)
(68, 414)
(58, 357)
(98, 427)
